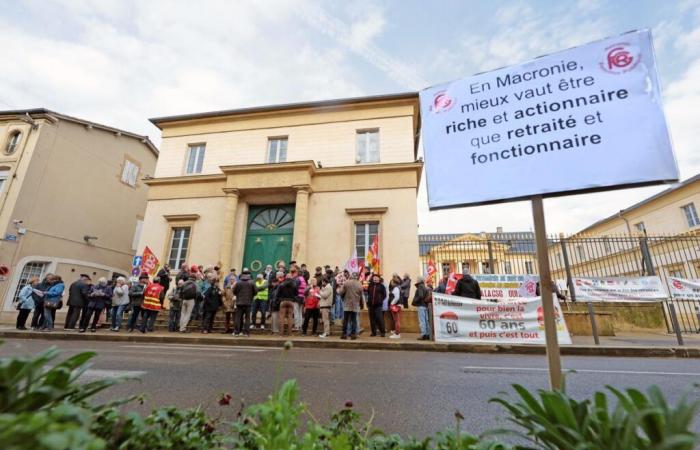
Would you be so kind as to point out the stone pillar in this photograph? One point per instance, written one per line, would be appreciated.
(226, 251)
(301, 225)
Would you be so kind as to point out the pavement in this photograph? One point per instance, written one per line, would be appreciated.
(408, 392)
(624, 344)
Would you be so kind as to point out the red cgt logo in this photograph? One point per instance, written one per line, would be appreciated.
(620, 58)
(677, 284)
(442, 102)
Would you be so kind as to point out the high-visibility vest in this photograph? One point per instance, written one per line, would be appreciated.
(151, 297)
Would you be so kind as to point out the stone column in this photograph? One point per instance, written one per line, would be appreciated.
(226, 251)
(301, 225)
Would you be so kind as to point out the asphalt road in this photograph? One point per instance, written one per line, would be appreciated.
(412, 393)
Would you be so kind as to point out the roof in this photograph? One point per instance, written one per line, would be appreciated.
(286, 106)
(647, 200)
(516, 241)
(47, 112)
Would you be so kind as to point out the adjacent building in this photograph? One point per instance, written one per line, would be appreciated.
(310, 182)
(72, 199)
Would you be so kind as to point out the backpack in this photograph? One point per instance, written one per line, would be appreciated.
(189, 290)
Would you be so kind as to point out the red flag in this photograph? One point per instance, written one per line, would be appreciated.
(149, 262)
(452, 283)
(432, 270)
(372, 257)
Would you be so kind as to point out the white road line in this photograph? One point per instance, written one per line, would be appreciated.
(544, 369)
(98, 374)
(303, 361)
(205, 347)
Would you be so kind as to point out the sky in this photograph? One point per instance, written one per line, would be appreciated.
(120, 62)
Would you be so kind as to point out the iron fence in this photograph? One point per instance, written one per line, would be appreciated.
(573, 256)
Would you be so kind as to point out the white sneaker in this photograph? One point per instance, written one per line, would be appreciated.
(262, 327)
(323, 336)
(234, 334)
(392, 333)
(395, 336)
(252, 327)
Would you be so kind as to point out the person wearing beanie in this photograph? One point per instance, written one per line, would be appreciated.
(151, 305)
(244, 291)
(260, 303)
(421, 300)
(136, 298)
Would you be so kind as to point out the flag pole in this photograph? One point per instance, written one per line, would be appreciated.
(550, 326)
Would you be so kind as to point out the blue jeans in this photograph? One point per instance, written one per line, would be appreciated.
(424, 320)
(338, 308)
(350, 323)
(174, 322)
(134, 317)
(258, 305)
(48, 318)
(117, 314)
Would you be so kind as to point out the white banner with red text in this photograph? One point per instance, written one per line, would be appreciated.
(517, 321)
(684, 289)
(620, 289)
(501, 287)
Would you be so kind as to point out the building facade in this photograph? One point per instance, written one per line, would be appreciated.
(310, 182)
(71, 197)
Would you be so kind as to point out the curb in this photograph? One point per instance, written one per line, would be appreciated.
(569, 350)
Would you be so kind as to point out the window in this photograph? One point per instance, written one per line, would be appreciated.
(581, 252)
(528, 267)
(13, 142)
(137, 234)
(507, 267)
(558, 259)
(676, 273)
(130, 172)
(606, 244)
(178, 246)
(466, 265)
(639, 226)
(195, 159)
(446, 268)
(3, 179)
(29, 271)
(364, 235)
(485, 267)
(277, 150)
(367, 146)
(691, 215)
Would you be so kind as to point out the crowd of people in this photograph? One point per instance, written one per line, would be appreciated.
(289, 297)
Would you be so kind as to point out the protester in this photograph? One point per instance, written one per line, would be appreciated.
(202, 286)
(318, 275)
(325, 305)
(120, 300)
(352, 303)
(376, 293)
(136, 298)
(151, 305)
(164, 277)
(77, 300)
(311, 307)
(299, 298)
(25, 303)
(395, 307)
(405, 290)
(555, 290)
(52, 301)
(467, 286)
(340, 279)
(442, 285)
(305, 274)
(274, 300)
(421, 300)
(211, 304)
(100, 297)
(189, 292)
(229, 304)
(244, 291)
(260, 304)
(286, 295)
(183, 274)
(38, 295)
(175, 305)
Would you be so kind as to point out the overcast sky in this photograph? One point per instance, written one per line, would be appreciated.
(120, 62)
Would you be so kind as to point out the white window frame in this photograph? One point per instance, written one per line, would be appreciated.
(4, 175)
(639, 226)
(13, 142)
(130, 173)
(275, 148)
(30, 270)
(507, 267)
(368, 238)
(137, 234)
(529, 268)
(183, 248)
(195, 159)
(363, 153)
(691, 215)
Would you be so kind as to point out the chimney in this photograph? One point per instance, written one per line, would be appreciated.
(499, 229)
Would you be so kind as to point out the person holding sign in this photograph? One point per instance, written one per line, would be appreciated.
(467, 286)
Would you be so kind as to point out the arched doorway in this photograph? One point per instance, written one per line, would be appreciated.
(268, 236)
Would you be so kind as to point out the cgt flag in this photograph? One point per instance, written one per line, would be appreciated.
(149, 262)
(352, 264)
(372, 257)
(432, 270)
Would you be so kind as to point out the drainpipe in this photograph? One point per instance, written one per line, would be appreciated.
(627, 222)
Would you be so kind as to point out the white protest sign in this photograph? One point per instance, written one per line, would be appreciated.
(620, 289)
(521, 321)
(684, 289)
(500, 287)
(586, 118)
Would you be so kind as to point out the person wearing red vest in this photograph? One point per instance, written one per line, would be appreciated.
(151, 304)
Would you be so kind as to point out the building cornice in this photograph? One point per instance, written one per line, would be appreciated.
(184, 179)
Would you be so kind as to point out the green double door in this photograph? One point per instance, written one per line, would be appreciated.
(268, 236)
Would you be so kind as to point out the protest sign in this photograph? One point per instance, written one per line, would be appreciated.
(619, 289)
(684, 289)
(498, 287)
(573, 121)
(521, 321)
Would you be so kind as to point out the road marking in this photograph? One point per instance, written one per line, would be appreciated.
(303, 361)
(99, 374)
(544, 369)
(203, 347)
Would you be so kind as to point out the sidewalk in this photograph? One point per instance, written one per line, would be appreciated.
(625, 344)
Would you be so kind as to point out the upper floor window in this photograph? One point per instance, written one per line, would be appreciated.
(639, 226)
(277, 150)
(691, 215)
(507, 267)
(13, 142)
(528, 268)
(367, 146)
(3, 179)
(195, 159)
(130, 173)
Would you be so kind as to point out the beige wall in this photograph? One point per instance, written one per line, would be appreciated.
(71, 188)
(333, 144)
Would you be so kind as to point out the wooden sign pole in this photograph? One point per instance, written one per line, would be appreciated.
(550, 326)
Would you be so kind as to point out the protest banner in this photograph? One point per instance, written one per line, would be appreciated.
(684, 289)
(519, 321)
(499, 287)
(620, 289)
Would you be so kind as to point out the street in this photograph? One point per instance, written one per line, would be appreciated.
(411, 393)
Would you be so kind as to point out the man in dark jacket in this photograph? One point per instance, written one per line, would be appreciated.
(467, 287)
(376, 293)
(405, 289)
(164, 277)
(442, 285)
(244, 291)
(39, 312)
(136, 301)
(77, 300)
(421, 301)
(286, 296)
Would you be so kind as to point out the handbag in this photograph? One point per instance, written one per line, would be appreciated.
(395, 308)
